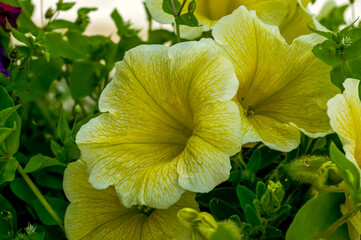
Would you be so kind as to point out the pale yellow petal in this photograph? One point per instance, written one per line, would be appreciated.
(344, 111)
(202, 166)
(275, 134)
(157, 13)
(98, 214)
(142, 173)
(297, 22)
(151, 109)
(220, 130)
(278, 81)
(94, 212)
(269, 11)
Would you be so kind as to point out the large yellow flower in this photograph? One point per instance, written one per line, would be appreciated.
(168, 124)
(344, 111)
(288, 14)
(98, 214)
(283, 89)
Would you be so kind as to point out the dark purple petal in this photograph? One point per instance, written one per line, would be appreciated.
(4, 62)
(10, 13)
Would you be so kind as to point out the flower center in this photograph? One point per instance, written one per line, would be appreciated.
(145, 209)
(247, 109)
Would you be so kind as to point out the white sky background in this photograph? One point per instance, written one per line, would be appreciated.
(133, 10)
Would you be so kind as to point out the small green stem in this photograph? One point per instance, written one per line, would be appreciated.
(40, 197)
(177, 32)
(181, 8)
(338, 223)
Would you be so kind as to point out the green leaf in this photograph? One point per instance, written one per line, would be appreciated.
(245, 196)
(255, 161)
(6, 113)
(63, 129)
(22, 190)
(37, 236)
(64, 6)
(328, 35)
(39, 161)
(124, 29)
(58, 151)
(84, 78)
(353, 51)
(59, 206)
(227, 194)
(327, 52)
(59, 47)
(83, 19)
(53, 180)
(352, 67)
(160, 36)
(350, 172)
(338, 77)
(260, 190)
(222, 210)
(188, 19)
(316, 216)
(42, 78)
(5, 133)
(61, 24)
(8, 170)
(19, 35)
(168, 7)
(13, 121)
(252, 215)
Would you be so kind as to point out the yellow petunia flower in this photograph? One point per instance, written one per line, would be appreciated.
(98, 214)
(344, 111)
(168, 124)
(288, 14)
(283, 89)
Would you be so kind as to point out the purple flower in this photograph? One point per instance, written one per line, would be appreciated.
(10, 13)
(4, 62)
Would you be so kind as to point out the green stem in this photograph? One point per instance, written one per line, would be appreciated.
(40, 197)
(338, 223)
(177, 32)
(181, 8)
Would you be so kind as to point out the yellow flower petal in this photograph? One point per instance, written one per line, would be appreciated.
(202, 166)
(159, 98)
(275, 134)
(215, 128)
(208, 12)
(344, 111)
(297, 22)
(98, 214)
(280, 85)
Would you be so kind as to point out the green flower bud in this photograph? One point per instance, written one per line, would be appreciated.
(192, 6)
(49, 13)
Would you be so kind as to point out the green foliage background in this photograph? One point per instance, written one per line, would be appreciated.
(56, 77)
